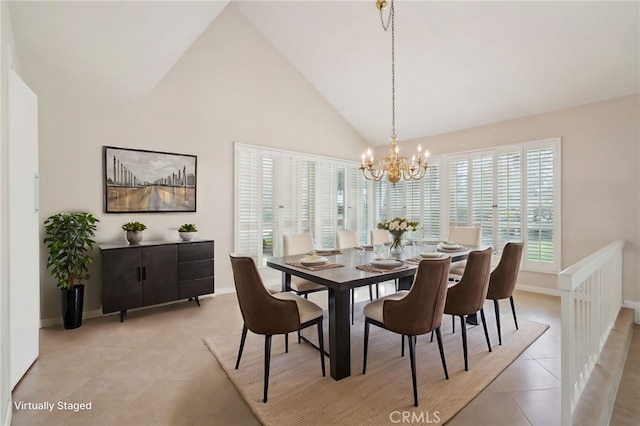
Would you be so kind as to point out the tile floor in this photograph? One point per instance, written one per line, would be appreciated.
(155, 370)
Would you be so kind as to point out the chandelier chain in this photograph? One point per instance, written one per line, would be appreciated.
(395, 167)
(391, 22)
(393, 72)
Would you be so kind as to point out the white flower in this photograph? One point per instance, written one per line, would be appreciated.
(403, 226)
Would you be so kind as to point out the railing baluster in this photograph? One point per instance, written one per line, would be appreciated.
(591, 300)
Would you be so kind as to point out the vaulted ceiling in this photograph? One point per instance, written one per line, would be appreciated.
(458, 64)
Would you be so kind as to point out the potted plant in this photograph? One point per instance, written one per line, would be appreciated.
(69, 240)
(187, 231)
(134, 231)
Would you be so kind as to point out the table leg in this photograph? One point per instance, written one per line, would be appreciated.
(339, 334)
(405, 283)
(286, 282)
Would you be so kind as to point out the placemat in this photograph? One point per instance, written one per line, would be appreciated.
(416, 260)
(315, 267)
(370, 268)
(325, 252)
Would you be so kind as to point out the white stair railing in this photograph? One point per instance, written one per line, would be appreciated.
(591, 299)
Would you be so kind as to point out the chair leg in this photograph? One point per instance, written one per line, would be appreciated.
(402, 345)
(463, 326)
(453, 324)
(244, 337)
(484, 325)
(321, 344)
(366, 344)
(496, 308)
(513, 309)
(267, 363)
(299, 337)
(444, 361)
(412, 358)
(432, 336)
(286, 343)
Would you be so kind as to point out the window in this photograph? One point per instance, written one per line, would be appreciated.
(503, 194)
(280, 193)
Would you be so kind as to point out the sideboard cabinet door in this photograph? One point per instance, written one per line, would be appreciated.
(121, 279)
(160, 274)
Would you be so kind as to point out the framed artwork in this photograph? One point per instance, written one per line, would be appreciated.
(141, 181)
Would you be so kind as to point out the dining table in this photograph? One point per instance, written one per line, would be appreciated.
(345, 270)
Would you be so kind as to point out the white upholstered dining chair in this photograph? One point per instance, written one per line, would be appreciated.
(347, 239)
(300, 244)
(469, 235)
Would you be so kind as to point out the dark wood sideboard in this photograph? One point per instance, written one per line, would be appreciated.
(150, 273)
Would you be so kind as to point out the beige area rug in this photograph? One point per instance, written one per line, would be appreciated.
(299, 395)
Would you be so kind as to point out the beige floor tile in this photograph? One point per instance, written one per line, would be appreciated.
(144, 364)
(553, 366)
(547, 346)
(490, 408)
(542, 407)
(168, 402)
(526, 375)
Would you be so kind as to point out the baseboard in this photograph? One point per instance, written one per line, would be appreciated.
(49, 322)
(541, 290)
(636, 309)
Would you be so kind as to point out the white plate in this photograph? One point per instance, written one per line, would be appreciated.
(310, 261)
(450, 245)
(428, 254)
(386, 263)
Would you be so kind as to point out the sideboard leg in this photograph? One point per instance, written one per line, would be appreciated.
(123, 314)
(197, 300)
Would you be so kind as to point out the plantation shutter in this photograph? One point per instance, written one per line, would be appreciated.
(396, 200)
(327, 189)
(540, 189)
(482, 195)
(459, 191)
(430, 221)
(509, 180)
(248, 223)
(271, 231)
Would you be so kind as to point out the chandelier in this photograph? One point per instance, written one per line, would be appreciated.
(394, 166)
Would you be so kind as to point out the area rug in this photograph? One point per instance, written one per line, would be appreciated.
(299, 395)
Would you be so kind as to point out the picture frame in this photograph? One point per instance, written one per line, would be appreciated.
(143, 181)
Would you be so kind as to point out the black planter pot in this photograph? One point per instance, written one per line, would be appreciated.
(72, 304)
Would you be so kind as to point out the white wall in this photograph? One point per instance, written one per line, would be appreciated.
(600, 176)
(231, 85)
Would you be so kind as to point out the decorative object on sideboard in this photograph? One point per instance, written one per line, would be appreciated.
(137, 181)
(187, 231)
(134, 231)
(69, 241)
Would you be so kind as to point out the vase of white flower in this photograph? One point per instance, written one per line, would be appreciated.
(397, 227)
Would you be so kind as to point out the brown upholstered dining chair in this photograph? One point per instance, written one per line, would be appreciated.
(300, 244)
(348, 239)
(468, 295)
(414, 312)
(267, 314)
(503, 281)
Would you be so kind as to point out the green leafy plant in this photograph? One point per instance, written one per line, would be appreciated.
(188, 227)
(134, 226)
(69, 240)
